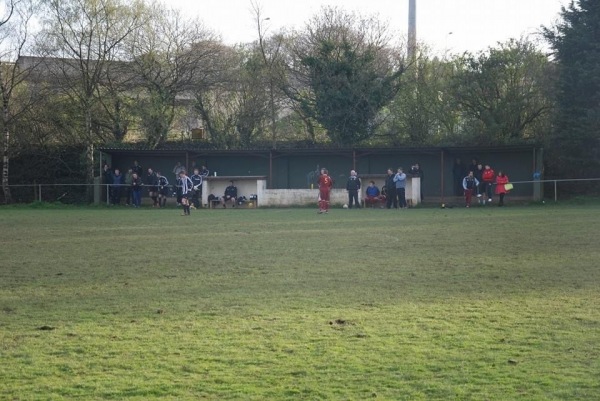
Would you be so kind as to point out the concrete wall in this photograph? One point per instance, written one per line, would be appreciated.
(307, 197)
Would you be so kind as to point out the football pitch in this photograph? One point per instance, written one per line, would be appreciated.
(284, 304)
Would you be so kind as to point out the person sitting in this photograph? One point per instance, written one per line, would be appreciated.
(230, 195)
(373, 196)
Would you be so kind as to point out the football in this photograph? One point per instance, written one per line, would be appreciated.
(345, 206)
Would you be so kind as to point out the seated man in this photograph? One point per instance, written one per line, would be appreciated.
(373, 196)
(230, 195)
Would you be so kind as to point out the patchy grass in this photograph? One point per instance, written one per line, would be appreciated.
(428, 304)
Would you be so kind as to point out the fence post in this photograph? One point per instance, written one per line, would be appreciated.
(107, 195)
(555, 191)
(40, 192)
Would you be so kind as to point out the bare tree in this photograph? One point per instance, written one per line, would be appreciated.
(84, 37)
(170, 55)
(14, 37)
(271, 49)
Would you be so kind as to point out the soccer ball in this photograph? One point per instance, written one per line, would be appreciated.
(345, 206)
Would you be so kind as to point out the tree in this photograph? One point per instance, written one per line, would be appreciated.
(342, 72)
(504, 90)
(234, 103)
(170, 55)
(84, 37)
(423, 112)
(271, 50)
(575, 39)
(14, 38)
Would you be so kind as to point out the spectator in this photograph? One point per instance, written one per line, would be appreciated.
(230, 195)
(373, 196)
(353, 186)
(488, 178)
(400, 182)
(416, 171)
(178, 169)
(390, 190)
(325, 185)
(136, 189)
(137, 169)
(151, 182)
(501, 191)
(473, 165)
(204, 171)
(116, 185)
(469, 184)
(107, 174)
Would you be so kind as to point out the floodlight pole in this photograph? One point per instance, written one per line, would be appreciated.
(412, 30)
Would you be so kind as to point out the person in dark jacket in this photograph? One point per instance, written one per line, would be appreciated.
(390, 188)
(136, 168)
(230, 195)
(353, 186)
(136, 189)
(151, 182)
(116, 185)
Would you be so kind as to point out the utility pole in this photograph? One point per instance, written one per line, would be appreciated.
(412, 30)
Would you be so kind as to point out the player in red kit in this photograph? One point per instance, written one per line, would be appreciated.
(325, 184)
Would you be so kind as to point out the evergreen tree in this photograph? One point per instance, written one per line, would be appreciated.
(576, 44)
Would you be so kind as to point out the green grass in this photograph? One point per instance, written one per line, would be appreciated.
(423, 304)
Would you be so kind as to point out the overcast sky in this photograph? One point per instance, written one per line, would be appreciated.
(445, 25)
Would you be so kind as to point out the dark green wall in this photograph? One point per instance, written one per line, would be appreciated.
(298, 169)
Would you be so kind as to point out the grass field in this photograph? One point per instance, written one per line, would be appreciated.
(422, 304)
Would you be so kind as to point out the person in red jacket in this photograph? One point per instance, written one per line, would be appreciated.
(501, 181)
(325, 184)
(488, 176)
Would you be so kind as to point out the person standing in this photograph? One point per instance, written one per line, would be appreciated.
(400, 183)
(390, 190)
(107, 174)
(325, 184)
(204, 171)
(197, 188)
(186, 189)
(117, 183)
(469, 184)
(501, 191)
(163, 189)
(152, 183)
(178, 169)
(488, 177)
(416, 171)
(136, 189)
(353, 186)
(136, 168)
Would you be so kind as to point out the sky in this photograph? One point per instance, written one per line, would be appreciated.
(446, 26)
